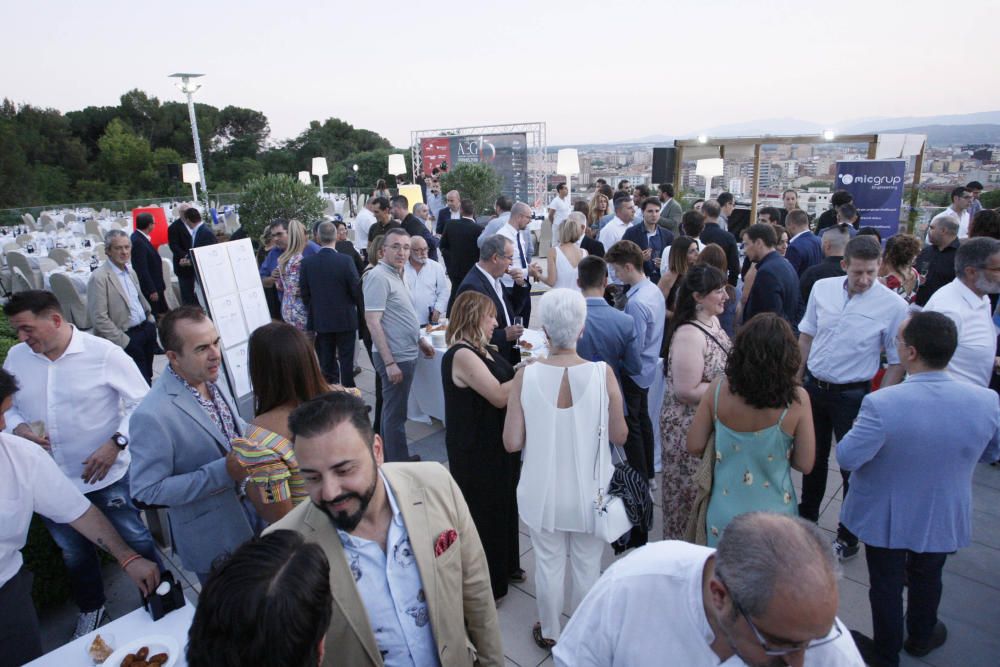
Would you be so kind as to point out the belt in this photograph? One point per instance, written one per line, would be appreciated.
(833, 386)
(138, 326)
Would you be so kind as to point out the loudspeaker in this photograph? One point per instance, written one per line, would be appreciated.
(174, 172)
(663, 165)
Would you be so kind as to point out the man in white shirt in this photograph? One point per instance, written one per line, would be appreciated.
(860, 309)
(117, 309)
(961, 200)
(362, 224)
(77, 395)
(965, 300)
(434, 200)
(766, 596)
(428, 284)
(517, 223)
(32, 482)
(559, 209)
(615, 229)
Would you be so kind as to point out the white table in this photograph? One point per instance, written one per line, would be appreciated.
(78, 278)
(135, 625)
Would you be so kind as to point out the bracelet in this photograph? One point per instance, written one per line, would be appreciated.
(128, 560)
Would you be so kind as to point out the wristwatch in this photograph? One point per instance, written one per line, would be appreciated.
(121, 441)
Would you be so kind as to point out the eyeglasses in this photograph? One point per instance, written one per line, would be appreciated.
(395, 247)
(834, 634)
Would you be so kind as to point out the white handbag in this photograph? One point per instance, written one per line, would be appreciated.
(610, 519)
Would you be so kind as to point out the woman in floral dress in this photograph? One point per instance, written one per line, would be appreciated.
(697, 348)
(293, 310)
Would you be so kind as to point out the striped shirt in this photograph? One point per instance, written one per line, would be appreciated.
(272, 465)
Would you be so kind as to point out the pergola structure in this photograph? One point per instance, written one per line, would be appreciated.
(706, 147)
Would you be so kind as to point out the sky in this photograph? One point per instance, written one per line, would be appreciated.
(592, 71)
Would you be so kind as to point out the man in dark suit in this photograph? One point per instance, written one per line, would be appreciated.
(650, 237)
(148, 265)
(453, 211)
(714, 233)
(190, 233)
(460, 248)
(399, 207)
(776, 287)
(495, 258)
(331, 291)
(804, 249)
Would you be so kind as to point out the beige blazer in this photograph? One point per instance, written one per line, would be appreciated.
(456, 582)
(107, 303)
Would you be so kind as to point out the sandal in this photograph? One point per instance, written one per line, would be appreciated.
(540, 641)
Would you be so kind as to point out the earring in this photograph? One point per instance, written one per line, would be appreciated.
(698, 307)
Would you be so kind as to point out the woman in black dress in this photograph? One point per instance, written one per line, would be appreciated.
(476, 382)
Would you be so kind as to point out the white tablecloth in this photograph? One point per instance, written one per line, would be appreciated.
(78, 278)
(135, 625)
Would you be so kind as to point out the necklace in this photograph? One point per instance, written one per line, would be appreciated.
(711, 324)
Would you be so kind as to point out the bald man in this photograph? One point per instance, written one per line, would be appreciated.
(453, 211)
(767, 596)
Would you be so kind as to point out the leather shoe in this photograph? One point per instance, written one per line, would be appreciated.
(939, 635)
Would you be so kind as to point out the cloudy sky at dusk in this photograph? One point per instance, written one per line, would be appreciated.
(593, 71)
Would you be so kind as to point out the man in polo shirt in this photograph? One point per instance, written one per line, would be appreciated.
(859, 309)
(965, 301)
(396, 338)
(936, 262)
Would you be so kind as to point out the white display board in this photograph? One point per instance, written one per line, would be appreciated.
(233, 296)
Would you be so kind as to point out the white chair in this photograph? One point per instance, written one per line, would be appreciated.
(24, 239)
(47, 265)
(28, 219)
(92, 227)
(19, 282)
(544, 239)
(8, 247)
(60, 256)
(166, 252)
(19, 261)
(70, 217)
(99, 251)
(73, 306)
(173, 295)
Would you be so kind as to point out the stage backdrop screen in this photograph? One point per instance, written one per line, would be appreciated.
(506, 153)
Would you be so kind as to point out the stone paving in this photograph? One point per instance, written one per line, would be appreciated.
(969, 606)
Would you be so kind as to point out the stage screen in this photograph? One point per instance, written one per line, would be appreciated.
(506, 153)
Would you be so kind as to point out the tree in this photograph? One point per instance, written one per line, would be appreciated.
(123, 155)
(241, 132)
(474, 181)
(278, 196)
(990, 199)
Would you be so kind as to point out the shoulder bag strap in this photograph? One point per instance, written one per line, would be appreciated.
(714, 339)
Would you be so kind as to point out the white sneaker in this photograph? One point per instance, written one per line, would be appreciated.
(88, 621)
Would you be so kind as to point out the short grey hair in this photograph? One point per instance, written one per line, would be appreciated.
(326, 232)
(950, 223)
(563, 313)
(418, 207)
(110, 235)
(975, 253)
(494, 245)
(760, 551)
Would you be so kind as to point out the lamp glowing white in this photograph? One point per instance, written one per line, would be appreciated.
(709, 169)
(319, 168)
(305, 178)
(190, 175)
(568, 165)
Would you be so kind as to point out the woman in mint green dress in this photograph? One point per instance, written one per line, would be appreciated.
(762, 422)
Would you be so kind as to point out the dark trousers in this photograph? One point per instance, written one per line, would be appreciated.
(377, 415)
(886, 571)
(80, 556)
(833, 412)
(142, 348)
(638, 445)
(160, 305)
(188, 297)
(20, 636)
(335, 350)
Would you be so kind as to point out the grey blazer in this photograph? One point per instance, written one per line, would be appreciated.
(178, 461)
(108, 306)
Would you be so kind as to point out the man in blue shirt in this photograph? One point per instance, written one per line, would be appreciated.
(651, 238)
(776, 287)
(609, 334)
(646, 306)
(279, 234)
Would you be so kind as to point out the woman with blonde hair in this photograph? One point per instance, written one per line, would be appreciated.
(599, 209)
(565, 257)
(293, 310)
(476, 380)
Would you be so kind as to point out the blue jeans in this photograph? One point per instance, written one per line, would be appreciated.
(80, 555)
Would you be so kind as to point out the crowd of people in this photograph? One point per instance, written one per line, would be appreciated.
(813, 337)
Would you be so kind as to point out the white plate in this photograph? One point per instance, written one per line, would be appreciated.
(156, 644)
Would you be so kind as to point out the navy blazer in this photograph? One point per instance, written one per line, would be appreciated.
(331, 291)
(180, 240)
(414, 226)
(911, 469)
(514, 298)
(662, 238)
(148, 265)
(713, 233)
(609, 336)
(460, 250)
(774, 290)
(444, 217)
(804, 251)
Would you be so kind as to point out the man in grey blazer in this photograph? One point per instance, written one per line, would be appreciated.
(181, 453)
(911, 484)
(670, 211)
(118, 310)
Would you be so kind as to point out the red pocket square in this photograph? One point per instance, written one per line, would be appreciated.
(444, 541)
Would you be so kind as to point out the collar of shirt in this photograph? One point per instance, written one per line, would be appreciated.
(975, 302)
(75, 347)
(194, 229)
(804, 231)
(386, 266)
(397, 517)
(639, 285)
(493, 281)
(216, 407)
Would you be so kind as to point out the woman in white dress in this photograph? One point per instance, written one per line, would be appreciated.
(565, 257)
(554, 413)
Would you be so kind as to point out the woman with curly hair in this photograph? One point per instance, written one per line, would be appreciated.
(763, 426)
(600, 208)
(897, 272)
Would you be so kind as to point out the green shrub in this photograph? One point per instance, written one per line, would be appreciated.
(477, 182)
(278, 196)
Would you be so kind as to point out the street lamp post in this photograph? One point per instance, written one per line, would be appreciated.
(352, 182)
(189, 88)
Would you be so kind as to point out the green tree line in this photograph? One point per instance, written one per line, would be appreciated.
(123, 152)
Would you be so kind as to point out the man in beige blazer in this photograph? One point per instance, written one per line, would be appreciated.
(405, 557)
(117, 308)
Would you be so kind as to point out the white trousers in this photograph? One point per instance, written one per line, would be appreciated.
(551, 548)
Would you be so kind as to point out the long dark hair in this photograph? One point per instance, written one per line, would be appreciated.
(283, 368)
(763, 362)
(699, 279)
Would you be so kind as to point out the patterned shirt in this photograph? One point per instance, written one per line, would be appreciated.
(393, 594)
(217, 409)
